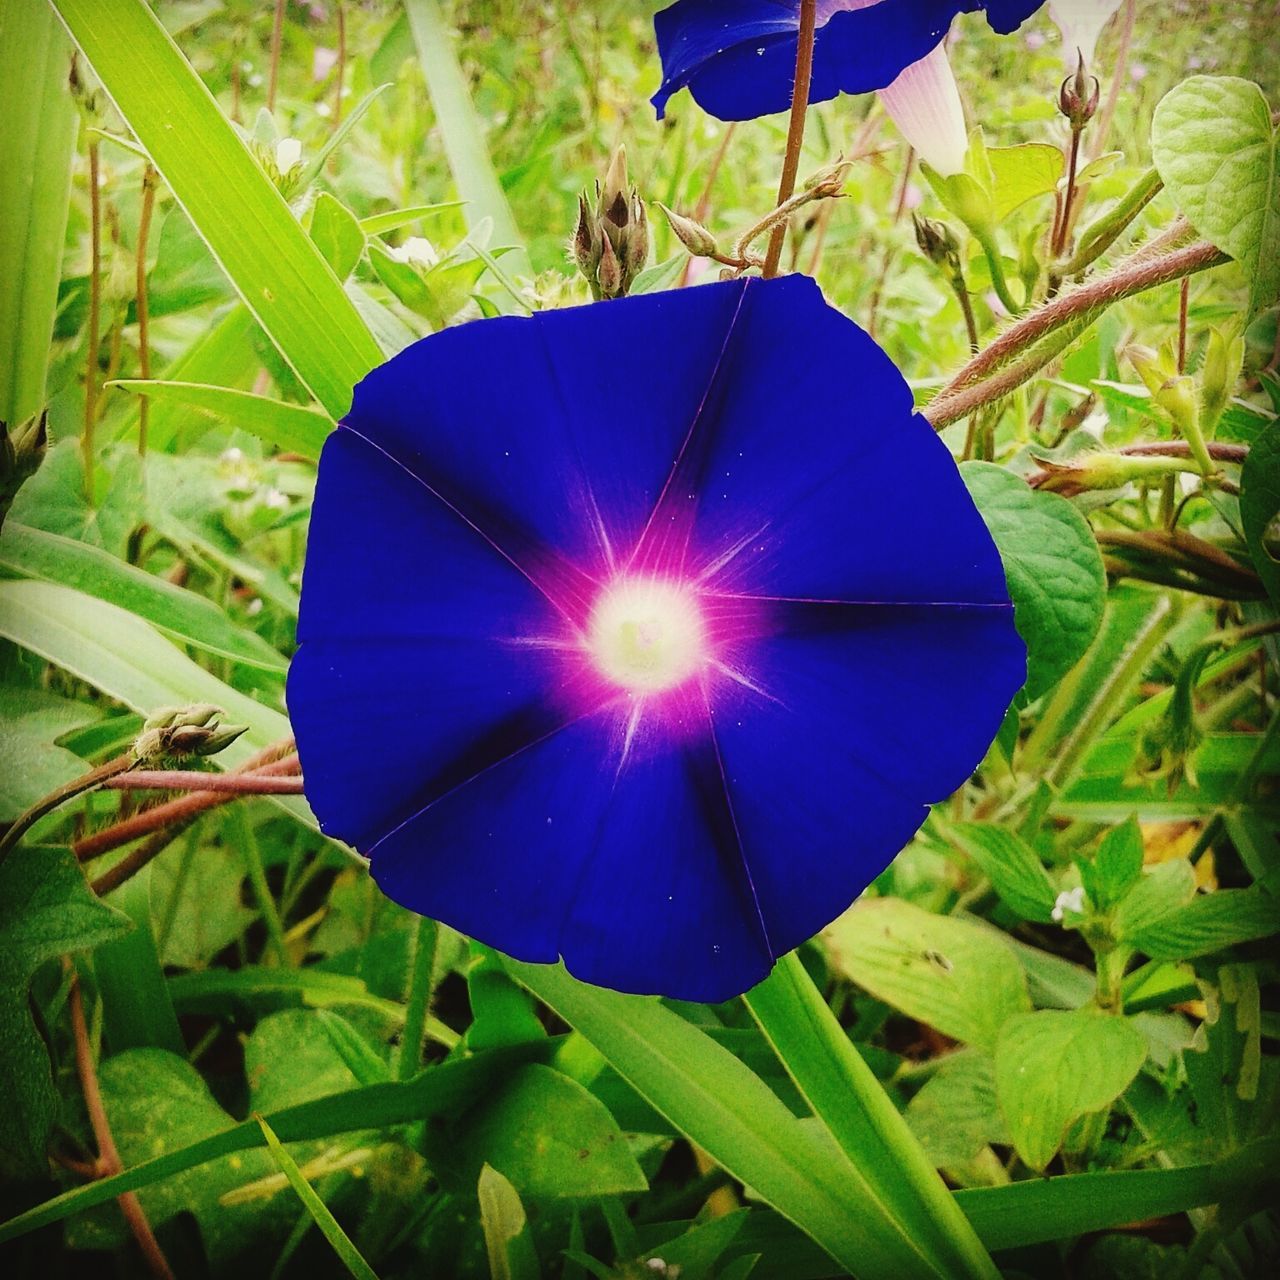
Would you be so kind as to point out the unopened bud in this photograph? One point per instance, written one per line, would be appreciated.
(1223, 360)
(613, 194)
(1155, 368)
(635, 241)
(184, 731)
(829, 181)
(1078, 96)
(693, 235)
(586, 240)
(22, 451)
(936, 240)
(609, 275)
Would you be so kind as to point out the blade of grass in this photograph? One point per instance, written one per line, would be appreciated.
(295, 428)
(728, 1111)
(463, 136)
(36, 144)
(348, 1254)
(244, 220)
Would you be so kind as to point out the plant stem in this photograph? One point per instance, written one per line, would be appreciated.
(59, 795)
(967, 391)
(277, 33)
(1064, 223)
(149, 177)
(248, 843)
(846, 1096)
(109, 1161)
(1104, 230)
(1184, 294)
(95, 307)
(241, 784)
(136, 859)
(426, 945)
(795, 129)
(991, 251)
(342, 64)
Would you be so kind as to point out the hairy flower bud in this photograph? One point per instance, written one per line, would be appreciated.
(611, 240)
(609, 274)
(936, 240)
(22, 451)
(1223, 360)
(177, 732)
(1078, 96)
(693, 235)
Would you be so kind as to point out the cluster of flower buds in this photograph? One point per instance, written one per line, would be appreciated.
(1076, 99)
(176, 733)
(937, 242)
(611, 243)
(21, 453)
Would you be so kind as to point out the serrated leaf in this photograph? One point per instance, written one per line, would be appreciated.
(1260, 507)
(1052, 1067)
(1013, 867)
(1052, 565)
(960, 978)
(1156, 896)
(1216, 149)
(46, 910)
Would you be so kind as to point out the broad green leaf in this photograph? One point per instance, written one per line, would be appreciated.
(955, 1115)
(550, 1137)
(1052, 565)
(294, 428)
(1118, 863)
(181, 614)
(693, 1255)
(1052, 1067)
(46, 910)
(31, 765)
(1021, 173)
(960, 978)
(507, 1238)
(36, 144)
(662, 275)
(436, 1092)
(1012, 865)
(1208, 923)
(722, 1106)
(463, 136)
(1260, 508)
(246, 223)
(1215, 147)
(337, 234)
(1154, 898)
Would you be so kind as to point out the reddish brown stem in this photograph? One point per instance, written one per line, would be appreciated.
(109, 1161)
(241, 784)
(795, 129)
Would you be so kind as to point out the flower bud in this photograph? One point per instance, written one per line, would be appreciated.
(1223, 360)
(611, 240)
(609, 274)
(22, 451)
(184, 731)
(936, 240)
(1155, 368)
(586, 240)
(693, 235)
(1078, 96)
(635, 241)
(613, 194)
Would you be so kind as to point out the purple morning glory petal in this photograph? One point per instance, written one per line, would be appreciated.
(650, 661)
(738, 57)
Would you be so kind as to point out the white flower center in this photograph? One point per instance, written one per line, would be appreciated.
(646, 634)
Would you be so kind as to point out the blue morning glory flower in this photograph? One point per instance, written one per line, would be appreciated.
(738, 57)
(643, 633)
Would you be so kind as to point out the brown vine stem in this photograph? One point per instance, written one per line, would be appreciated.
(109, 1161)
(273, 760)
(984, 379)
(149, 177)
(795, 129)
(60, 795)
(240, 784)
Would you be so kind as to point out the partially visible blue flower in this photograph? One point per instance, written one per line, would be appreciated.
(643, 634)
(738, 59)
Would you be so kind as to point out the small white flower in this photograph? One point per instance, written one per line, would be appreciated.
(233, 455)
(417, 250)
(275, 499)
(1069, 901)
(288, 155)
(254, 607)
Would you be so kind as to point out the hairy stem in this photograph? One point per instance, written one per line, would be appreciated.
(98, 777)
(240, 784)
(795, 130)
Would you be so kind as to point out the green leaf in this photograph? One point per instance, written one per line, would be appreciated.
(693, 1255)
(31, 766)
(1052, 1067)
(960, 978)
(337, 234)
(437, 1092)
(1118, 864)
(662, 275)
(181, 614)
(955, 1115)
(506, 1229)
(1052, 565)
(1022, 173)
(255, 988)
(1260, 507)
(1154, 898)
(462, 133)
(46, 910)
(550, 1137)
(1215, 147)
(722, 1106)
(1012, 865)
(378, 224)
(245, 221)
(1208, 923)
(36, 144)
(348, 1254)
